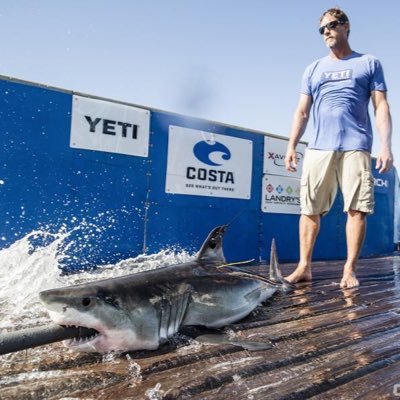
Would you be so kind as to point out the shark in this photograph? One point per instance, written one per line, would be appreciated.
(143, 310)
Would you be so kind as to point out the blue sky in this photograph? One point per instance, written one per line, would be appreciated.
(233, 61)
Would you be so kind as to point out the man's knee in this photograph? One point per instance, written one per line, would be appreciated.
(355, 214)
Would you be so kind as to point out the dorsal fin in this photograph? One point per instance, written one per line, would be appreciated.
(211, 251)
(275, 273)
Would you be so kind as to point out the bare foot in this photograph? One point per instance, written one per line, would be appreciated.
(301, 274)
(349, 279)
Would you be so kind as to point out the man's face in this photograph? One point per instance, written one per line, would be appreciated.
(336, 35)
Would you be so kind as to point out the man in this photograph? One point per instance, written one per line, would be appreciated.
(337, 88)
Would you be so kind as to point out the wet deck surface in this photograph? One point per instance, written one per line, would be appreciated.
(327, 343)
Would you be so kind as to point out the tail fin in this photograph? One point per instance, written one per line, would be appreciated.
(275, 273)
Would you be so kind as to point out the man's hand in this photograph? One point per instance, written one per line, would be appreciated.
(291, 160)
(384, 161)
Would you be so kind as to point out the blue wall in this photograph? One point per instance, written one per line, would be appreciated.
(115, 206)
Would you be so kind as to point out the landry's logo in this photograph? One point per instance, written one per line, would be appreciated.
(286, 195)
(203, 151)
(279, 189)
(213, 154)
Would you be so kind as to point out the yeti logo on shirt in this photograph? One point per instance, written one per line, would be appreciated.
(337, 75)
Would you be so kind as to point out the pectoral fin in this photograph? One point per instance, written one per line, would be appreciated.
(224, 339)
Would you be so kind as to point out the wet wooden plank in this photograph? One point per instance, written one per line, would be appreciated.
(301, 380)
(381, 384)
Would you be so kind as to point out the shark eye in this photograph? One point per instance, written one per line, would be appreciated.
(86, 301)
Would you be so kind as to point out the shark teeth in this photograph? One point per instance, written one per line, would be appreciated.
(83, 336)
(83, 340)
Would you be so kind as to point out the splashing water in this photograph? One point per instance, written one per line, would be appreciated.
(24, 272)
(33, 264)
(155, 393)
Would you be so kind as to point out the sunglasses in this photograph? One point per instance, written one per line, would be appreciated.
(330, 25)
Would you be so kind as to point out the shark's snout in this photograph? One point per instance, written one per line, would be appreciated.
(48, 297)
(45, 296)
(52, 299)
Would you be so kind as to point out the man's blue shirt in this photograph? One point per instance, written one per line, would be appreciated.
(340, 91)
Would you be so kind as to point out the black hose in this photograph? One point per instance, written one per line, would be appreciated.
(39, 336)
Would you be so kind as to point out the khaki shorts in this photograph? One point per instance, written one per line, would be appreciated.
(323, 171)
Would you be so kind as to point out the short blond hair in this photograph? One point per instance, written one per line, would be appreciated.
(337, 13)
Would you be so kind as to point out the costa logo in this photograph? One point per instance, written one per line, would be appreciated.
(212, 154)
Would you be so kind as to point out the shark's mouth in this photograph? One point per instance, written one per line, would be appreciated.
(80, 335)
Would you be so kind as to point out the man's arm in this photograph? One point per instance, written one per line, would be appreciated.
(299, 125)
(383, 119)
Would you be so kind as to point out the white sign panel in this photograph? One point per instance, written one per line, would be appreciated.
(274, 157)
(207, 164)
(280, 194)
(106, 126)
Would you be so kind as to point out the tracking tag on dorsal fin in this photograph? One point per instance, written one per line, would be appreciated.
(211, 250)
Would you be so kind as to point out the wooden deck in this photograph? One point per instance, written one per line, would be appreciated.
(327, 343)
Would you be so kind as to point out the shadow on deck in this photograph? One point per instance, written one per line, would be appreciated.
(327, 343)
